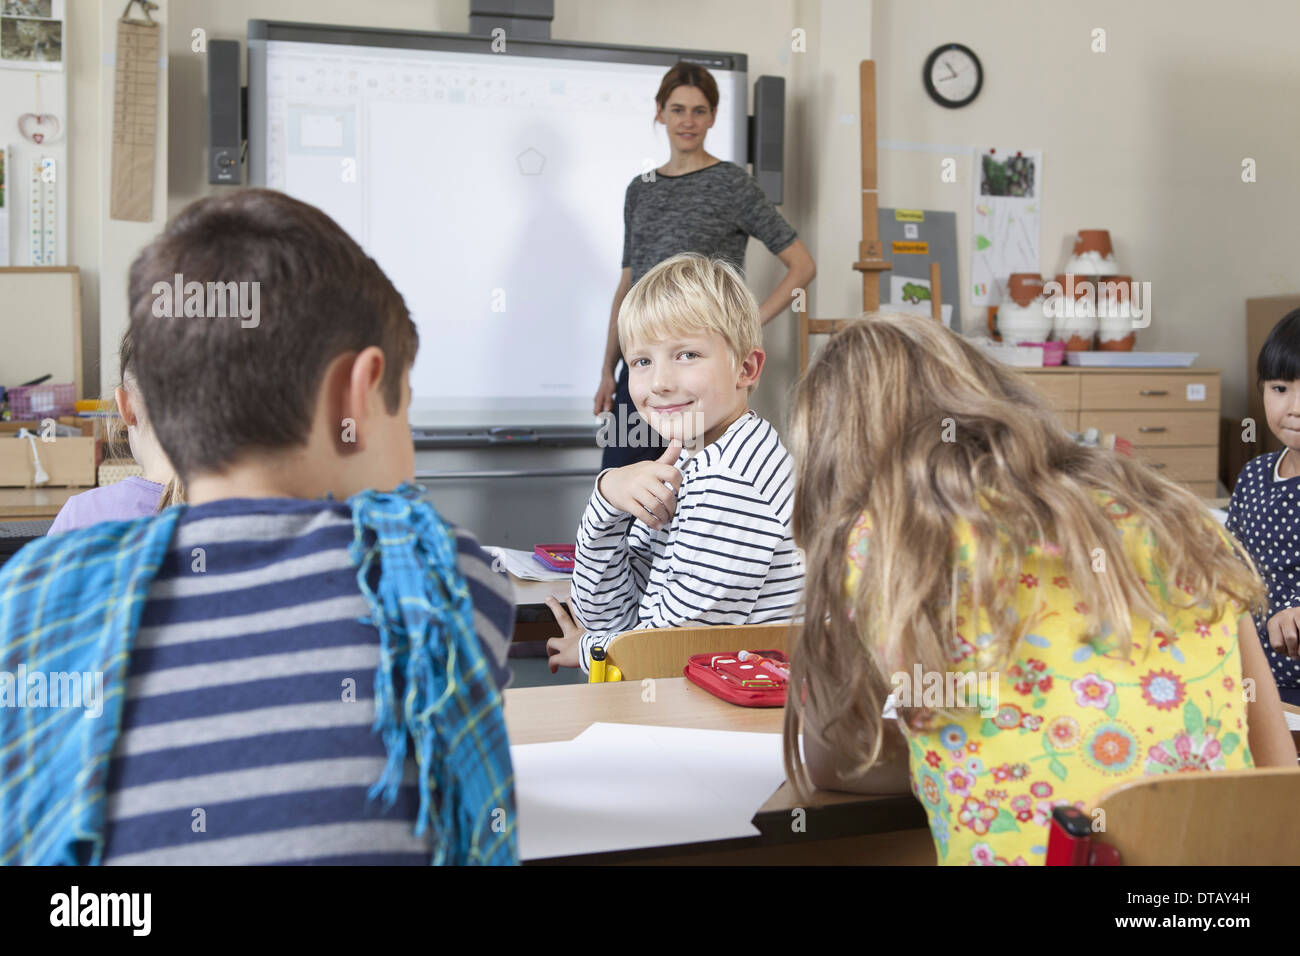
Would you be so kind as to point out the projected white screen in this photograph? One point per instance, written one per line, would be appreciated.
(490, 190)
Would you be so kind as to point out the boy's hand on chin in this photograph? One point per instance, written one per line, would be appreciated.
(646, 490)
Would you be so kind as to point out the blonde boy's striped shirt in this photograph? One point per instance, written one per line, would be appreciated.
(727, 556)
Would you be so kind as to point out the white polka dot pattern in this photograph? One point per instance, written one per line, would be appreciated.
(1264, 514)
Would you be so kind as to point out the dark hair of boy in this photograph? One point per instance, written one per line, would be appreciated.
(1279, 359)
(216, 389)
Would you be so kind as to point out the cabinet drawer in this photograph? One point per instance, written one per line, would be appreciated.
(1069, 421)
(1143, 390)
(1157, 427)
(1182, 464)
(1061, 389)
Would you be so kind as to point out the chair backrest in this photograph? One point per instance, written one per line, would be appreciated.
(1204, 819)
(663, 652)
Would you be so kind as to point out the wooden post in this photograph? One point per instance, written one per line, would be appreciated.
(803, 340)
(936, 293)
(870, 261)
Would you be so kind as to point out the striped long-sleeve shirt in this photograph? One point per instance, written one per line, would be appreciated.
(247, 728)
(727, 556)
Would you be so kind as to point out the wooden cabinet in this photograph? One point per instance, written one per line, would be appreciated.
(1171, 416)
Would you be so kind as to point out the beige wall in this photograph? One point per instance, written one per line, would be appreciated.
(1145, 140)
(102, 247)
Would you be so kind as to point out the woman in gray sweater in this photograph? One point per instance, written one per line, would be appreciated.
(693, 203)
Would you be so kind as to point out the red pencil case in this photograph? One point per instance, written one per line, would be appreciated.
(557, 557)
(726, 676)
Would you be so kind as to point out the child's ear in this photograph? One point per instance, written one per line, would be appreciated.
(363, 401)
(124, 406)
(751, 368)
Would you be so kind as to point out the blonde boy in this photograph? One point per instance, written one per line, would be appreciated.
(702, 535)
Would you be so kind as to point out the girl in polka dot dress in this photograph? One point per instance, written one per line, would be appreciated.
(1265, 509)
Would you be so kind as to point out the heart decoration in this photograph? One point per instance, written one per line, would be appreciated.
(39, 128)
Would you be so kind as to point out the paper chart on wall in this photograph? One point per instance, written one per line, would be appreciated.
(1008, 198)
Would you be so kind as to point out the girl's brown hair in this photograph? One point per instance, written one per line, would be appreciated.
(688, 74)
(906, 422)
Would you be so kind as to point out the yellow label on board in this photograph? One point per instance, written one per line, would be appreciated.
(910, 248)
(909, 215)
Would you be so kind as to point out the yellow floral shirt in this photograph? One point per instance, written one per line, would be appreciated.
(1070, 719)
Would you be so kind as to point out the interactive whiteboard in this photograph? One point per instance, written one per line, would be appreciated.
(489, 187)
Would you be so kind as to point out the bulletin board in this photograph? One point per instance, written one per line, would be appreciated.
(910, 239)
(40, 326)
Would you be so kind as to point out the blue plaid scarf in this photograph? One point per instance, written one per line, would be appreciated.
(72, 603)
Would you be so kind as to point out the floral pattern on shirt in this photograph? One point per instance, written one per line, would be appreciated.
(1073, 717)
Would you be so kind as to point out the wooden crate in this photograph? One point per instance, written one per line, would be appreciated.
(70, 462)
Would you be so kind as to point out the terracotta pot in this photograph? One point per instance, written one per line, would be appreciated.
(1078, 328)
(1123, 344)
(1023, 324)
(1083, 285)
(1093, 240)
(1112, 293)
(1024, 287)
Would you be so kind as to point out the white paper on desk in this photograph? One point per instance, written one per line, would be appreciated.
(1220, 516)
(627, 786)
(522, 564)
(1292, 720)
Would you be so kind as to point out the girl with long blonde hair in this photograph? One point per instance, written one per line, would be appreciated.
(948, 521)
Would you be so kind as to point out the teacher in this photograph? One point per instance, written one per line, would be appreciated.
(693, 203)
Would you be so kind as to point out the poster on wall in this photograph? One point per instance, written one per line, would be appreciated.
(31, 34)
(1008, 198)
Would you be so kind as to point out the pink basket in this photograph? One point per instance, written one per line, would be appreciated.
(32, 402)
(1053, 352)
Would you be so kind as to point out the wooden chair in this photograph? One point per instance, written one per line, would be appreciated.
(1205, 819)
(663, 652)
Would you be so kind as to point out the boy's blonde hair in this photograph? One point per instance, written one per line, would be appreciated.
(689, 294)
(900, 418)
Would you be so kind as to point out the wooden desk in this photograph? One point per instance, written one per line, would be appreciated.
(837, 827)
(29, 503)
(536, 592)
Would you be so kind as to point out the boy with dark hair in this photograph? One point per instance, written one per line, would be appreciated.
(265, 654)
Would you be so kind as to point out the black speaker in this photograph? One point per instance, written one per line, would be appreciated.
(521, 19)
(225, 113)
(767, 136)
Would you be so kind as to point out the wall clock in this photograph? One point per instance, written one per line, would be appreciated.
(953, 75)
